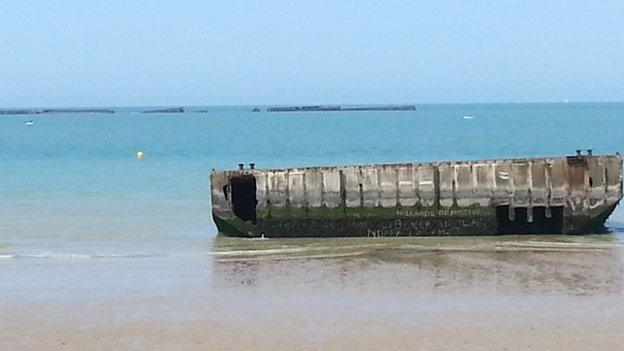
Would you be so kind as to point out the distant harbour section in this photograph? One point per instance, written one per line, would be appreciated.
(330, 108)
(166, 110)
(302, 108)
(51, 111)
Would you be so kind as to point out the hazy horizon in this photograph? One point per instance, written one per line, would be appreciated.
(195, 53)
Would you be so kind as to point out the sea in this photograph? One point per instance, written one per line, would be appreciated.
(71, 185)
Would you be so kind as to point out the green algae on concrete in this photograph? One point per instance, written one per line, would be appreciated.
(422, 212)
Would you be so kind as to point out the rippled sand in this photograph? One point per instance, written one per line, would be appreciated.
(515, 293)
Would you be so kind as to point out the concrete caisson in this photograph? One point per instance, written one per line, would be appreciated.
(572, 195)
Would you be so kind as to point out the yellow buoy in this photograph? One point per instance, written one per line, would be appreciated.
(139, 154)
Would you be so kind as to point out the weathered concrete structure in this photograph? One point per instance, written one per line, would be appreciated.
(572, 195)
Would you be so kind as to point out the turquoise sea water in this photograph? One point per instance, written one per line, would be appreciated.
(71, 185)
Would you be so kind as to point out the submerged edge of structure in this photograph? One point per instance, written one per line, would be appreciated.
(569, 195)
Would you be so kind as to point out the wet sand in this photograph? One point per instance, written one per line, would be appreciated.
(559, 293)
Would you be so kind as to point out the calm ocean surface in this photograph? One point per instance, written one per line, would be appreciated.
(70, 186)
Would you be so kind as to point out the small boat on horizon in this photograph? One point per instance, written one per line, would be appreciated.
(30, 123)
(468, 117)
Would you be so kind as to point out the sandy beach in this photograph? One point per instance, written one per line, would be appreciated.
(558, 293)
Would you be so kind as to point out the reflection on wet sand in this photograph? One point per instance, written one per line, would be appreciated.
(573, 265)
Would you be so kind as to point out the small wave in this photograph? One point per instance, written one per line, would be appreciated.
(326, 251)
(292, 257)
(576, 245)
(257, 252)
(65, 255)
(309, 250)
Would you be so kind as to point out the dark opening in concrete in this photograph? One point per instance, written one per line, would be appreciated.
(244, 197)
(541, 224)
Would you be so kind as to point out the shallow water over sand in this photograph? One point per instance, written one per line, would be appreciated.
(468, 293)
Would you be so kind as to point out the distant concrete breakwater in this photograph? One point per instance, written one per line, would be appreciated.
(166, 110)
(323, 108)
(306, 108)
(82, 110)
(51, 111)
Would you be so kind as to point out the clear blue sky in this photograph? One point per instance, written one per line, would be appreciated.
(120, 53)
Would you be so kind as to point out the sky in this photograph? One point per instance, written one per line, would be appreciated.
(156, 52)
